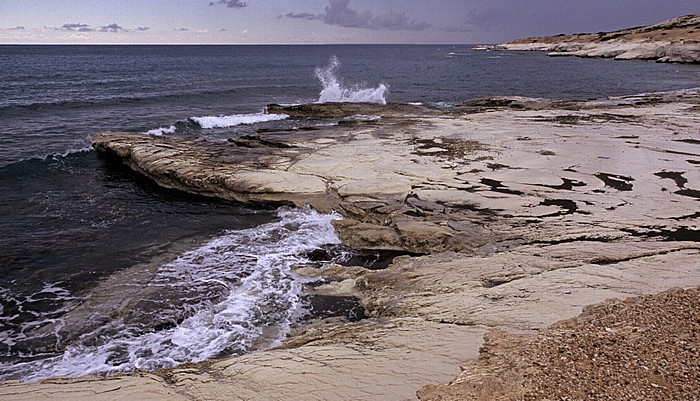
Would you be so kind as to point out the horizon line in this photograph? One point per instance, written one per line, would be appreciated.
(247, 44)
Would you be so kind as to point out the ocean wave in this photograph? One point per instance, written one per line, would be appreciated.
(334, 91)
(209, 122)
(225, 297)
(72, 151)
(161, 131)
(195, 124)
(685, 91)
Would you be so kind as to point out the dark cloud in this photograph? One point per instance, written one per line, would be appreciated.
(77, 27)
(87, 28)
(338, 12)
(143, 28)
(181, 29)
(112, 28)
(395, 21)
(306, 16)
(230, 3)
(17, 28)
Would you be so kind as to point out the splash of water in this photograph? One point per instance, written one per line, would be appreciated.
(334, 91)
(226, 297)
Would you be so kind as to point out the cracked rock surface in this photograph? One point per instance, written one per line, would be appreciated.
(525, 211)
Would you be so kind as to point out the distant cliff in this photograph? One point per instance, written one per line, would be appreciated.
(675, 41)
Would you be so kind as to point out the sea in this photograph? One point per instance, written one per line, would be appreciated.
(103, 271)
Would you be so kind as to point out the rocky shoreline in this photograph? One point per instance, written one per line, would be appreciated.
(517, 212)
(673, 41)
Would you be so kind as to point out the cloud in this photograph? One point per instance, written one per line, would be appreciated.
(74, 27)
(143, 28)
(17, 28)
(77, 27)
(230, 3)
(181, 29)
(306, 16)
(338, 12)
(112, 28)
(395, 21)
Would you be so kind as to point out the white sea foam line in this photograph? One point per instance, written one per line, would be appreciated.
(162, 130)
(269, 296)
(208, 122)
(362, 117)
(685, 91)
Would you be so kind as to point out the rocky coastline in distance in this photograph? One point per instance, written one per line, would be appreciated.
(673, 41)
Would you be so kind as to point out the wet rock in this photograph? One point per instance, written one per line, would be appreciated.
(511, 248)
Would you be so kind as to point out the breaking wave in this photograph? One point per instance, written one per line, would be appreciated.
(335, 91)
(233, 295)
(208, 122)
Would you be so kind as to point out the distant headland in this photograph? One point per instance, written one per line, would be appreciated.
(674, 41)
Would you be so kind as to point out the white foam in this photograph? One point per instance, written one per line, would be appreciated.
(161, 131)
(239, 288)
(334, 91)
(76, 149)
(208, 122)
(362, 117)
(687, 91)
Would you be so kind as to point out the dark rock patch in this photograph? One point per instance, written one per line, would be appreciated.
(325, 306)
(449, 148)
(693, 193)
(619, 182)
(497, 186)
(695, 215)
(469, 207)
(678, 234)
(691, 141)
(568, 206)
(497, 166)
(346, 256)
(676, 176)
(567, 185)
(253, 141)
(573, 119)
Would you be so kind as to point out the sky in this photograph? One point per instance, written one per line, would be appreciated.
(320, 21)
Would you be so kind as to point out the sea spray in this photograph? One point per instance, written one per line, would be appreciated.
(335, 91)
(225, 297)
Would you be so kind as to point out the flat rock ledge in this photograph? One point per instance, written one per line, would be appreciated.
(525, 211)
(674, 41)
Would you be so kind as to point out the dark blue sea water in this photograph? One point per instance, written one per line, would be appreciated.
(102, 271)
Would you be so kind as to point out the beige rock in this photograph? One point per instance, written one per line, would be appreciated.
(676, 40)
(526, 211)
(135, 386)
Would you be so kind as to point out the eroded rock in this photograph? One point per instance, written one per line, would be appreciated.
(676, 41)
(517, 247)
